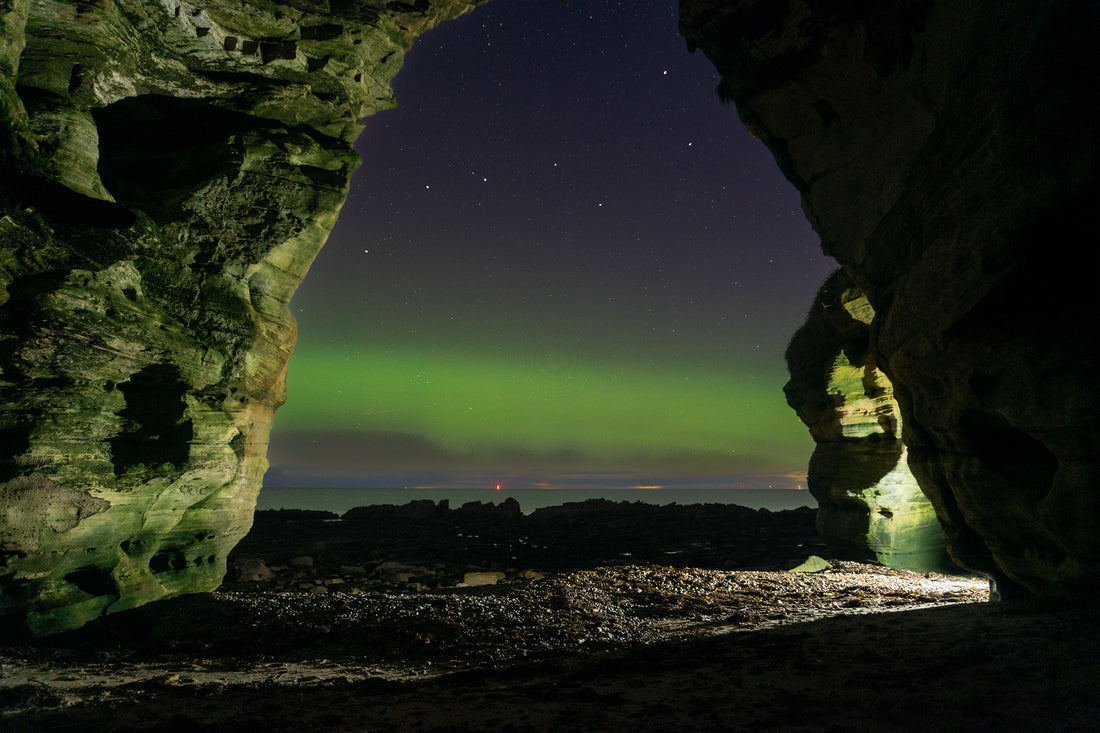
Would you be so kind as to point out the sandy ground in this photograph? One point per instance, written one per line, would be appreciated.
(615, 647)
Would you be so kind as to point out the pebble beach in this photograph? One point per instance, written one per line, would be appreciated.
(324, 625)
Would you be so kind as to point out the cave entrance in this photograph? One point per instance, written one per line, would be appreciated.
(155, 430)
(563, 256)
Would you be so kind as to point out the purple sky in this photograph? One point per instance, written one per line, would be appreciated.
(558, 243)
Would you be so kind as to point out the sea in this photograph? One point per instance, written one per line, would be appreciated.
(341, 499)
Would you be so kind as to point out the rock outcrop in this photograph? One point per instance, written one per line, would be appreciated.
(169, 171)
(869, 504)
(947, 153)
(434, 545)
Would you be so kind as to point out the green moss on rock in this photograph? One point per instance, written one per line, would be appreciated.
(188, 163)
(870, 505)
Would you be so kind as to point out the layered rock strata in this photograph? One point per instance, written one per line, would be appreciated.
(947, 154)
(869, 504)
(170, 169)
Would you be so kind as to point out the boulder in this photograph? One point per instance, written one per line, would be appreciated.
(482, 578)
(251, 570)
(813, 564)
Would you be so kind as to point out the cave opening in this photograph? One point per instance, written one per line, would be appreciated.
(94, 581)
(142, 137)
(563, 255)
(155, 430)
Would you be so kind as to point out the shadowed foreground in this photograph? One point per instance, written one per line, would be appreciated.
(628, 644)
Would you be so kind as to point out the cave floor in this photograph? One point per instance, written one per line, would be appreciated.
(856, 647)
(356, 639)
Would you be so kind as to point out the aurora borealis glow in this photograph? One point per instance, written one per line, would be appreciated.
(562, 253)
(541, 414)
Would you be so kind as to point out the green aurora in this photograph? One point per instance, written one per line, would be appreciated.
(493, 411)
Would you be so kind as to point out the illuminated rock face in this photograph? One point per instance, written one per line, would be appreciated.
(869, 503)
(170, 169)
(947, 155)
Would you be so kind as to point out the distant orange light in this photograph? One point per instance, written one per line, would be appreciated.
(647, 487)
(498, 487)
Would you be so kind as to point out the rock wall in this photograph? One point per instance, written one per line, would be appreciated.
(946, 153)
(169, 171)
(869, 504)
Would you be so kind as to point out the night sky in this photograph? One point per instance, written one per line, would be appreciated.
(562, 257)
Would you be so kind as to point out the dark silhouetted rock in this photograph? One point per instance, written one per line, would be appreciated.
(251, 570)
(947, 154)
(294, 515)
(407, 545)
(420, 509)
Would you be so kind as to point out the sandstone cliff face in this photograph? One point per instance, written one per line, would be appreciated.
(869, 504)
(170, 169)
(947, 155)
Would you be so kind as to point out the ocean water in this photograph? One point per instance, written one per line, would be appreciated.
(339, 500)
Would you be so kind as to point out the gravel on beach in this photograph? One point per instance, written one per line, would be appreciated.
(357, 639)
